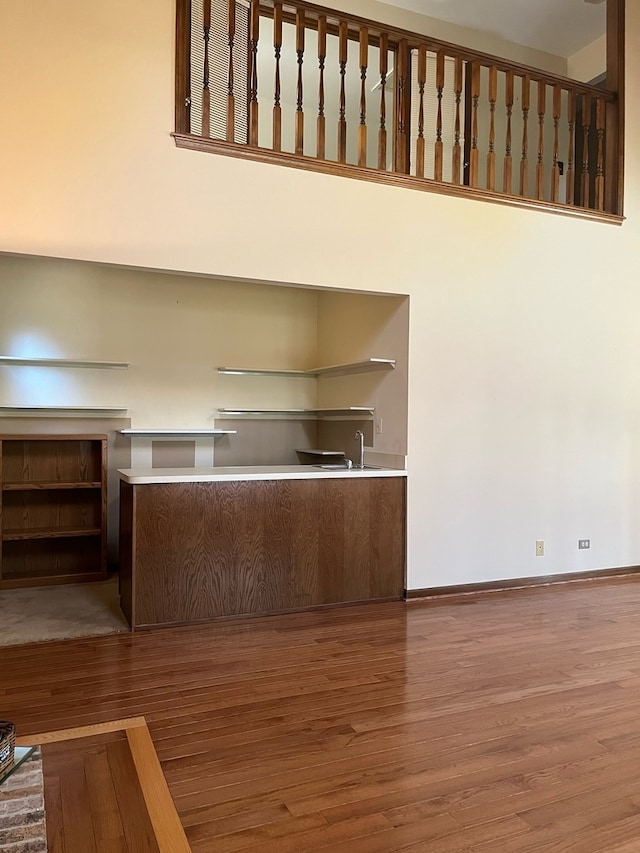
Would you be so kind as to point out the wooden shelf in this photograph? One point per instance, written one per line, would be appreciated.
(369, 365)
(19, 361)
(302, 414)
(25, 486)
(53, 508)
(14, 534)
(178, 432)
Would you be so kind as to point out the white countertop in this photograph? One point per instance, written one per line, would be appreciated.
(137, 476)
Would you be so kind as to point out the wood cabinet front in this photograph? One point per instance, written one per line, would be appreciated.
(197, 551)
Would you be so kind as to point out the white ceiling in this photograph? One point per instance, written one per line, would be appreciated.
(560, 27)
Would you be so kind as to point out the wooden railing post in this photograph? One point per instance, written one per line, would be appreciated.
(507, 181)
(571, 154)
(491, 156)
(615, 117)
(542, 108)
(183, 67)
(277, 46)
(342, 121)
(600, 128)
(362, 128)
(206, 94)
(586, 129)
(300, 25)
(382, 133)
(524, 160)
(403, 103)
(422, 79)
(254, 35)
(231, 101)
(457, 150)
(475, 97)
(438, 152)
(322, 55)
(555, 174)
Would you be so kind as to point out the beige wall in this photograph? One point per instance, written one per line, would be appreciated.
(590, 62)
(524, 390)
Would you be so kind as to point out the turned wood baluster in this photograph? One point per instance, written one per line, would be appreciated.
(277, 46)
(524, 161)
(362, 129)
(206, 94)
(254, 34)
(507, 181)
(322, 55)
(557, 111)
(438, 153)
(491, 155)
(422, 79)
(231, 101)
(586, 129)
(475, 97)
(403, 95)
(571, 154)
(382, 133)
(542, 106)
(457, 148)
(601, 111)
(300, 25)
(342, 122)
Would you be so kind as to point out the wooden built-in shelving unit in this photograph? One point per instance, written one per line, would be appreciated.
(53, 509)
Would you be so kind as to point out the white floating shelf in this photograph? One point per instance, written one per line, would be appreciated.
(259, 371)
(312, 451)
(179, 432)
(370, 365)
(16, 361)
(347, 412)
(67, 410)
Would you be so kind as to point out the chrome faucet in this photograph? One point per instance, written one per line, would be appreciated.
(360, 435)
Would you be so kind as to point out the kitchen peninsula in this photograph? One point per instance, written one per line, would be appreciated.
(203, 543)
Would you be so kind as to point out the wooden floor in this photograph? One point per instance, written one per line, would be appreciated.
(507, 723)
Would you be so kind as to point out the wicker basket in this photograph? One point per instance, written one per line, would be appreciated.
(7, 744)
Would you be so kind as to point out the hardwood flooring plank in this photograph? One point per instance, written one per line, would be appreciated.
(500, 724)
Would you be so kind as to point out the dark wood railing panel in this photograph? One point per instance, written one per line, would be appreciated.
(433, 106)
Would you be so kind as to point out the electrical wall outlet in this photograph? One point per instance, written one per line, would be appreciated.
(540, 548)
(378, 426)
(584, 544)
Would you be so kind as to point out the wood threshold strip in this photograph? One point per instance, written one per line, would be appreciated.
(169, 832)
(312, 164)
(465, 590)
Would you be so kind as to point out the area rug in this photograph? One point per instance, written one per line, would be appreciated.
(22, 821)
(35, 614)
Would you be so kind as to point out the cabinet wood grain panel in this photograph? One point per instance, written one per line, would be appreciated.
(198, 551)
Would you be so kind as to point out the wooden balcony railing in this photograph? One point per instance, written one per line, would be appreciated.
(299, 84)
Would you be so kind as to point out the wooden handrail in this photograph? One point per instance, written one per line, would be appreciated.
(439, 105)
